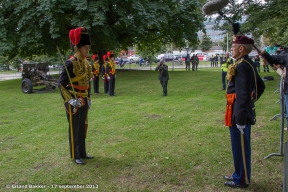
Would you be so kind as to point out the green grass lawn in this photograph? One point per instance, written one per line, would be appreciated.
(141, 140)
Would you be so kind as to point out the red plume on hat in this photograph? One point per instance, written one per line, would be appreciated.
(108, 54)
(79, 37)
(104, 57)
(95, 57)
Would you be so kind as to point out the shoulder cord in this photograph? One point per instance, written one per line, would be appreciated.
(254, 79)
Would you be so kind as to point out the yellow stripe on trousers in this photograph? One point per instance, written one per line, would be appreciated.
(71, 132)
(244, 158)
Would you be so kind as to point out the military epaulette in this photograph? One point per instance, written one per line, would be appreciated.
(73, 59)
(232, 69)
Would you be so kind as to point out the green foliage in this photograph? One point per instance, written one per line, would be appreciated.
(38, 27)
(206, 43)
(268, 18)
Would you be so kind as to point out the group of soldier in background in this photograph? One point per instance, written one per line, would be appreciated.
(108, 72)
(194, 60)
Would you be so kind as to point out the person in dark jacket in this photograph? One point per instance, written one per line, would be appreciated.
(216, 60)
(163, 76)
(257, 63)
(212, 59)
(244, 88)
(194, 61)
(187, 62)
(74, 84)
(280, 62)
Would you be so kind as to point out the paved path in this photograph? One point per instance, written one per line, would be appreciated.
(18, 75)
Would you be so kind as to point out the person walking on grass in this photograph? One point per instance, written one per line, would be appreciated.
(163, 76)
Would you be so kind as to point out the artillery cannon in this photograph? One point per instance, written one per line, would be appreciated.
(35, 74)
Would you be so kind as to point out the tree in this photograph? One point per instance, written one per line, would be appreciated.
(267, 19)
(39, 26)
(206, 43)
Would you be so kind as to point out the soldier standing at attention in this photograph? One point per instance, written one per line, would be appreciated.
(74, 84)
(112, 74)
(224, 68)
(244, 88)
(95, 70)
(163, 76)
(105, 75)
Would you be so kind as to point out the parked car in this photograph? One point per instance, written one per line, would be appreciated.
(166, 57)
(133, 58)
(124, 60)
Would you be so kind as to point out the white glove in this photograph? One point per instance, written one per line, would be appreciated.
(241, 128)
(115, 76)
(103, 78)
(108, 77)
(75, 102)
(89, 102)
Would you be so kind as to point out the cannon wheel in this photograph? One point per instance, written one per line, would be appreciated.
(26, 86)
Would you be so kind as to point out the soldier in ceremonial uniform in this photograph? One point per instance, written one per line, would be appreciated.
(224, 67)
(163, 76)
(74, 84)
(105, 75)
(112, 74)
(244, 88)
(95, 70)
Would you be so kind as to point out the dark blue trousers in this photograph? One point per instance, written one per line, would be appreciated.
(240, 173)
(76, 130)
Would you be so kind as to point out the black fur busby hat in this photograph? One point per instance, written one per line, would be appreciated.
(79, 37)
(95, 57)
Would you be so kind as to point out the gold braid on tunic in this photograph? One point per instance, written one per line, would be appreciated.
(83, 72)
(113, 67)
(96, 68)
(231, 73)
(232, 69)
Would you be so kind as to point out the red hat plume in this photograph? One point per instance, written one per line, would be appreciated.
(75, 35)
(94, 56)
